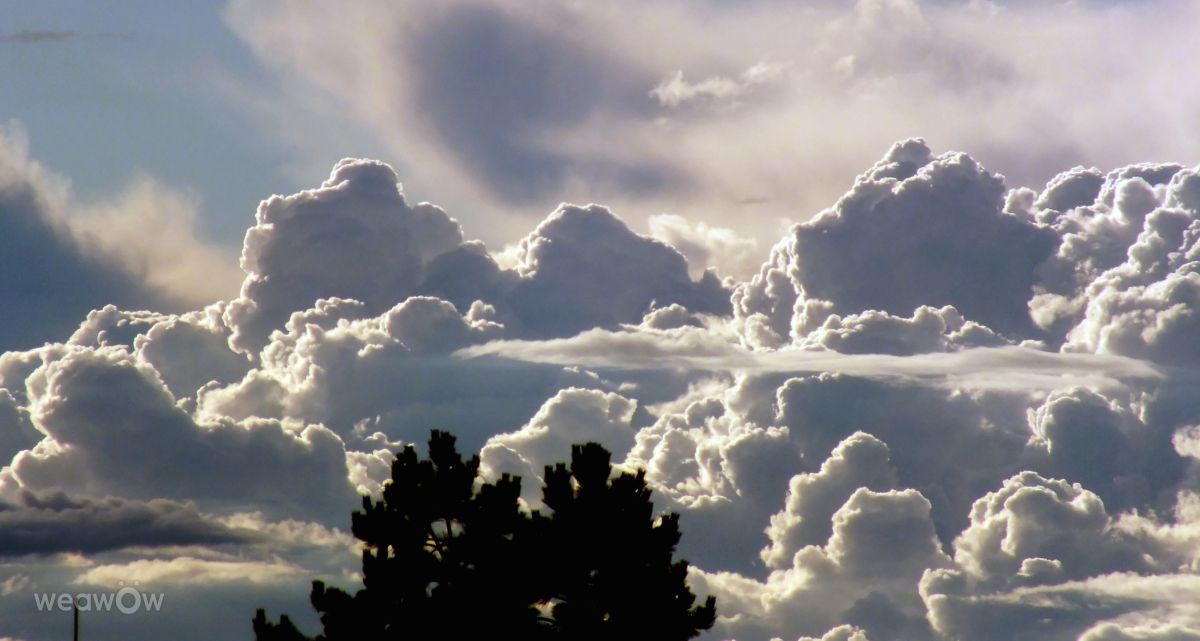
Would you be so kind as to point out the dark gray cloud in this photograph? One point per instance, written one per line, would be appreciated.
(52, 280)
(41, 36)
(53, 522)
(493, 84)
(29, 36)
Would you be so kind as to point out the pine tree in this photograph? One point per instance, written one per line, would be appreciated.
(450, 556)
(613, 575)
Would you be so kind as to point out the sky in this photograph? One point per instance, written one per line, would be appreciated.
(895, 301)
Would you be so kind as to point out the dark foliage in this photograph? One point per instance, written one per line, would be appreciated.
(451, 557)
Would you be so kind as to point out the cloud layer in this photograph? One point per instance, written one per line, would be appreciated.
(945, 408)
(753, 111)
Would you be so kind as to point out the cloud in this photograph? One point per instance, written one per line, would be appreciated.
(353, 237)
(52, 522)
(137, 250)
(875, 332)
(941, 409)
(356, 237)
(54, 279)
(675, 92)
(626, 275)
(359, 374)
(1082, 436)
(707, 246)
(42, 36)
(183, 570)
(1124, 252)
(888, 243)
(840, 633)
(571, 417)
(880, 541)
(112, 428)
(589, 110)
(32, 37)
(17, 432)
(149, 231)
(1038, 530)
(1010, 367)
(860, 461)
(1045, 557)
(1114, 632)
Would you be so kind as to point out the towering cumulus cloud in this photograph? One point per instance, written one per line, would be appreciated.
(356, 237)
(353, 237)
(916, 229)
(943, 409)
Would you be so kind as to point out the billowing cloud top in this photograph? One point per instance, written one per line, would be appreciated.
(942, 409)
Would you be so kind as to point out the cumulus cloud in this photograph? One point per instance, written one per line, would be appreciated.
(1119, 281)
(17, 431)
(880, 542)
(1114, 632)
(112, 428)
(857, 462)
(840, 633)
(1037, 530)
(941, 409)
(583, 268)
(887, 245)
(353, 237)
(876, 332)
(1045, 557)
(356, 237)
(573, 416)
(359, 374)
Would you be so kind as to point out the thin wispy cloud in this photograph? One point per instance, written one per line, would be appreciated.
(32, 36)
(1010, 367)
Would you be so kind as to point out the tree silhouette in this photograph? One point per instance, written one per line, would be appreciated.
(451, 556)
(436, 549)
(611, 572)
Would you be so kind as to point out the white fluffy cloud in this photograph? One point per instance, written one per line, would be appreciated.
(112, 428)
(356, 237)
(887, 245)
(939, 410)
(880, 543)
(860, 461)
(582, 268)
(353, 237)
(573, 416)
